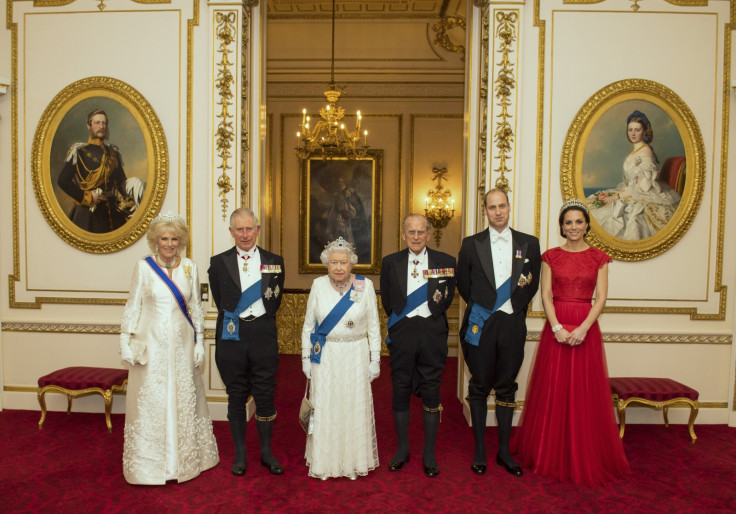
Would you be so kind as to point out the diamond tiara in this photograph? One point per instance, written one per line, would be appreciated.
(340, 244)
(170, 216)
(574, 202)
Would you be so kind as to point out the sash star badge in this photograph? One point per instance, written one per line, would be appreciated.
(437, 296)
(317, 348)
(474, 329)
(268, 294)
(231, 328)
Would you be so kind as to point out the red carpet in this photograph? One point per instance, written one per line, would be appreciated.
(74, 465)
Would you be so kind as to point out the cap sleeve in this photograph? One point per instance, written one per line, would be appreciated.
(547, 256)
(603, 258)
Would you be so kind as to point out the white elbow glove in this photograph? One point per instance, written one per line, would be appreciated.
(126, 354)
(199, 351)
(374, 368)
(307, 362)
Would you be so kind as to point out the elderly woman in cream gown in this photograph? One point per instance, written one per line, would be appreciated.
(641, 205)
(168, 430)
(341, 361)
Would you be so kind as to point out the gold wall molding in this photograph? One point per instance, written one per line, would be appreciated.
(244, 86)
(443, 39)
(483, 117)
(226, 36)
(396, 89)
(60, 328)
(616, 337)
(504, 85)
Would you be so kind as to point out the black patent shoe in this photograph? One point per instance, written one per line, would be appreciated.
(514, 470)
(396, 465)
(274, 467)
(238, 469)
(431, 471)
(478, 469)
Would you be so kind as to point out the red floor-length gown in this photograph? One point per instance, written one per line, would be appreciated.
(568, 428)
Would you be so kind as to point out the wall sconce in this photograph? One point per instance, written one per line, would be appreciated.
(439, 206)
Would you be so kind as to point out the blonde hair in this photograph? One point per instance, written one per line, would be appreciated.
(176, 227)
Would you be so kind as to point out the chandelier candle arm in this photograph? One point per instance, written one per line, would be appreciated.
(439, 206)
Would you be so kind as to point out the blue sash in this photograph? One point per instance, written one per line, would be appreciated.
(180, 301)
(414, 300)
(319, 336)
(231, 320)
(479, 314)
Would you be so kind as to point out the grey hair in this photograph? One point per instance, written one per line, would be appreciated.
(403, 223)
(241, 212)
(176, 227)
(339, 245)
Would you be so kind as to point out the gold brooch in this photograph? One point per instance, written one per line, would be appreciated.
(317, 348)
(474, 329)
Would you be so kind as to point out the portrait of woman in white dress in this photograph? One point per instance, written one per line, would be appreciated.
(341, 350)
(168, 429)
(642, 204)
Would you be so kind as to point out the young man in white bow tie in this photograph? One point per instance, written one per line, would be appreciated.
(497, 276)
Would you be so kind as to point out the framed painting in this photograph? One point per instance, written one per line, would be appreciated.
(99, 164)
(635, 154)
(341, 198)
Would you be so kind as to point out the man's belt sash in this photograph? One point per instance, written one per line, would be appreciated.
(231, 320)
(414, 300)
(479, 314)
(318, 338)
(180, 301)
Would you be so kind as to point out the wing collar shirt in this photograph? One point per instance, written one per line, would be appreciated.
(418, 264)
(249, 266)
(501, 253)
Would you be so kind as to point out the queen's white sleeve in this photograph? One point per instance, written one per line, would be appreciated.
(372, 321)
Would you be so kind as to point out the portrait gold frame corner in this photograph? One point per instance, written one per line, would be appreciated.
(372, 268)
(571, 172)
(157, 155)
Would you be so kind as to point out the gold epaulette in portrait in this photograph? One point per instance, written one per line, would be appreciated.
(270, 268)
(439, 273)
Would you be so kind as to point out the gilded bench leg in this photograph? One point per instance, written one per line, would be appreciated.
(621, 405)
(42, 401)
(665, 408)
(107, 395)
(693, 414)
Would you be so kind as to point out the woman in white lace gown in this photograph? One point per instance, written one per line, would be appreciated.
(642, 204)
(168, 430)
(343, 442)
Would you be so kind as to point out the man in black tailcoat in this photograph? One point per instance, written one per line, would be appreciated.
(247, 351)
(417, 333)
(497, 276)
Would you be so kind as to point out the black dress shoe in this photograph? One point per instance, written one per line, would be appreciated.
(396, 465)
(275, 468)
(238, 469)
(478, 469)
(431, 471)
(514, 470)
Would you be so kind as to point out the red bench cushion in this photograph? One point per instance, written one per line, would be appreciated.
(652, 389)
(84, 377)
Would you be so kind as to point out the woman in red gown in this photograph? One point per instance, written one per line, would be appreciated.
(568, 428)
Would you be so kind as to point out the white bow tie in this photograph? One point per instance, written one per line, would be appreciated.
(496, 236)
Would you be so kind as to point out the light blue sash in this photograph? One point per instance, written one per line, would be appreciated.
(319, 336)
(414, 300)
(180, 301)
(231, 320)
(479, 314)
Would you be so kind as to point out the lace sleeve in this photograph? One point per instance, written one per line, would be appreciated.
(310, 317)
(132, 309)
(195, 303)
(372, 323)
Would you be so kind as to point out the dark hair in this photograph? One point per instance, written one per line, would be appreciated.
(640, 118)
(573, 208)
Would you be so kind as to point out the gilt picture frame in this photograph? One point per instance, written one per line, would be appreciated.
(341, 198)
(136, 144)
(642, 198)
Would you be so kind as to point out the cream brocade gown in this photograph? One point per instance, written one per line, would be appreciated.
(168, 430)
(344, 438)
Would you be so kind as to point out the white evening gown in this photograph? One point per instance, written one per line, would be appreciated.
(343, 442)
(650, 207)
(168, 430)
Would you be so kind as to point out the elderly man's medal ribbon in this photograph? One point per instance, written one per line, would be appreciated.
(231, 319)
(318, 338)
(180, 301)
(479, 314)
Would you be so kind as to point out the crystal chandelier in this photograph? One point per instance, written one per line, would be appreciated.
(329, 137)
(439, 206)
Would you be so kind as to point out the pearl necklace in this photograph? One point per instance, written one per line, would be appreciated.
(164, 264)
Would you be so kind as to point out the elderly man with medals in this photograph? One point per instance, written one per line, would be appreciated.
(341, 351)
(497, 276)
(247, 283)
(417, 287)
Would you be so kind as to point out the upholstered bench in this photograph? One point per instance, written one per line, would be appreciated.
(660, 393)
(79, 381)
